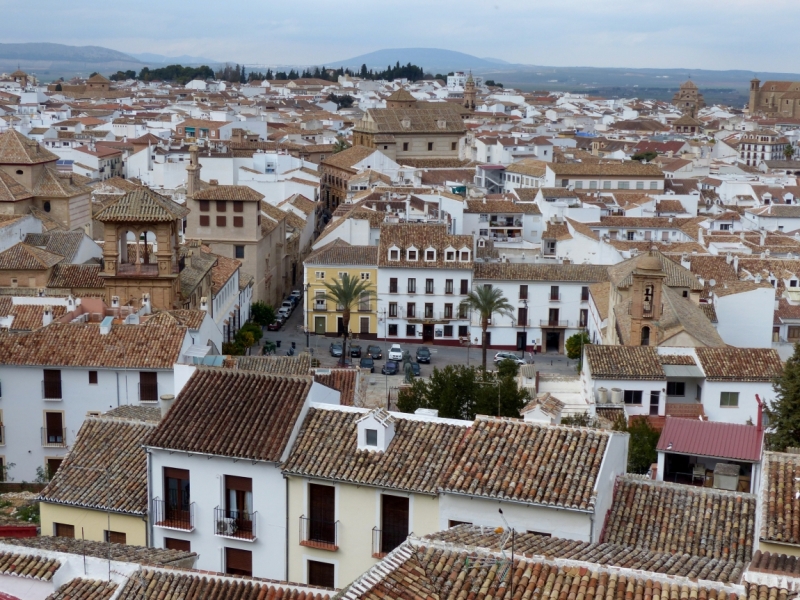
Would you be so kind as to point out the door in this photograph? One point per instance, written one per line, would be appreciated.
(394, 522)
(321, 574)
(52, 383)
(322, 511)
(54, 428)
(319, 325)
(176, 492)
(339, 326)
(427, 334)
(553, 317)
(364, 325)
(654, 396)
(522, 340)
(551, 341)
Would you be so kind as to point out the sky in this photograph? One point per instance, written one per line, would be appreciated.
(755, 35)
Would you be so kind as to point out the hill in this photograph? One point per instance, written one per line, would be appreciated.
(51, 61)
(183, 59)
(431, 59)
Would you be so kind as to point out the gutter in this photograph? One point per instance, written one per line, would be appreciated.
(520, 502)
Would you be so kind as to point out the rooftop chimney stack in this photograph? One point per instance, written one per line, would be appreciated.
(167, 400)
(47, 316)
(204, 303)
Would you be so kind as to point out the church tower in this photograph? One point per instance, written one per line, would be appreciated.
(193, 172)
(645, 300)
(755, 96)
(469, 93)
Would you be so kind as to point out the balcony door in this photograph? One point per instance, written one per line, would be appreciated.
(394, 522)
(322, 513)
(239, 502)
(54, 428)
(176, 495)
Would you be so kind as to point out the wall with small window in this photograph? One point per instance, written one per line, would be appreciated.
(93, 524)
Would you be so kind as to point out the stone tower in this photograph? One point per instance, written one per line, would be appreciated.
(689, 100)
(755, 94)
(645, 300)
(469, 93)
(193, 172)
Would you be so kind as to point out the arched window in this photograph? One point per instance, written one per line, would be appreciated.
(645, 336)
(19, 172)
(47, 206)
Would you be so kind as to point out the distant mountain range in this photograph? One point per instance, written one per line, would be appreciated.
(183, 59)
(432, 60)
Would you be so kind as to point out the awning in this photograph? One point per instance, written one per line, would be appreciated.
(682, 371)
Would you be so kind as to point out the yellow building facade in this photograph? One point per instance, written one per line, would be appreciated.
(331, 263)
(90, 524)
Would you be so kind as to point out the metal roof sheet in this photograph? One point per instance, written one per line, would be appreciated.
(709, 438)
(683, 371)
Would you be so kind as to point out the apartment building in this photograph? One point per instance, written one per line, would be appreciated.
(628, 175)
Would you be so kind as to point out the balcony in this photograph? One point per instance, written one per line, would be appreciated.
(235, 524)
(51, 390)
(554, 297)
(386, 540)
(168, 515)
(320, 305)
(553, 323)
(52, 438)
(315, 533)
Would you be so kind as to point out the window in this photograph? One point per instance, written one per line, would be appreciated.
(364, 276)
(430, 255)
(463, 309)
(412, 255)
(394, 522)
(148, 386)
(523, 292)
(205, 221)
(52, 466)
(578, 185)
(392, 309)
(320, 573)
(452, 145)
(238, 506)
(448, 330)
(729, 399)
(653, 185)
(393, 285)
(405, 146)
(363, 302)
(394, 254)
(430, 146)
(640, 185)
(448, 286)
(606, 185)
(238, 221)
(463, 331)
(52, 384)
(450, 255)
(632, 396)
(676, 388)
(592, 185)
(53, 430)
(221, 205)
(585, 293)
(429, 286)
(63, 530)
(372, 437)
(584, 317)
(319, 274)
(176, 497)
(464, 287)
(92, 377)
(522, 317)
(644, 339)
(204, 205)
(624, 185)
(221, 221)
(464, 256)
(392, 330)
(411, 331)
(238, 562)
(411, 310)
(114, 537)
(238, 206)
(176, 544)
(554, 293)
(238, 252)
(412, 285)
(428, 310)
(448, 311)
(794, 333)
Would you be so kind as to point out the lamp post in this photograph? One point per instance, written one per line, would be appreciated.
(308, 344)
(524, 323)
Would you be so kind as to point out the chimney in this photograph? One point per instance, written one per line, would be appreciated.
(763, 239)
(741, 236)
(760, 421)
(47, 316)
(728, 258)
(213, 182)
(70, 303)
(114, 301)
(700, 236)
(204, 303)
(167, 400)
(146, 303)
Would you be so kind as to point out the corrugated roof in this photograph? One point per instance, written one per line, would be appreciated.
(711, 438)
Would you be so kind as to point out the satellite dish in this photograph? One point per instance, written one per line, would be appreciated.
(712, 282)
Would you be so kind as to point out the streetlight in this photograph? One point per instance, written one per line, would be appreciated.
(524, 323)
(308, 345)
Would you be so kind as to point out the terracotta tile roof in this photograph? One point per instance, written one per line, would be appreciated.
(416, 457)
(529, 463)
(630, 168)
(53, 184)
(113, 447)
(134, 412)
(142, 205)
(240, 414)
(711, 438)
(621, 274)
(780, 513)
(16, 149)
(347, 158)
(304, 204)
(274, 365)
(121, 552)
(501, 206)
(342, 380)
(20, 564)
(435, 163)
(712, 267)
(778, 564)
(681, 519)
(556, 231)
(528, 166)
(676, 359)
(82, 345)
(229, 192)
(739, 364)
(420, 118)
(76, 276)
(183, 317)
(540, 272)
(420, 569)
(193, 584)
(624, 362)
(23, 257)
(27, 317)
(84, 588)
(532, 545)
(222, 271)
(65, 243)
(12, 190)
(422, 236)
(600, 293)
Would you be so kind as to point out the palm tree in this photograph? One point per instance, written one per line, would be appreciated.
(340, 145)
(788, 151)
(487, 300)
(346, 292)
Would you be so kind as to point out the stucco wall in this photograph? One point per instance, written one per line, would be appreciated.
(91, 524)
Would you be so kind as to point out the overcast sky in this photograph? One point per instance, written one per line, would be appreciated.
(758, 35)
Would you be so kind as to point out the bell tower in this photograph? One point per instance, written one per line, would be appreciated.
(193, 172)
(755, 95)
(469, 93)
(645, 301)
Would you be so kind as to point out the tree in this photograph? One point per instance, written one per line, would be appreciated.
(784, 412)
(648, 156)
(58, 87)
(341, 144)
(493, 83)
(641, 444)
(343, 101)
(346, 292)
(487, 301)
(262, 313)
(574, 345)
(788, 151)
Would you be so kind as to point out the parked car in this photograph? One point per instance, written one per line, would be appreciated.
(375, 352)
(355, 350)
(367, 363)
(275, 325)
(501, 356)
(423, 355)
(288, 305)
(395, 352)
(390, 368)
(416, 369)
(296, 294)
(344, 364)
(283, 313)
(336, 349)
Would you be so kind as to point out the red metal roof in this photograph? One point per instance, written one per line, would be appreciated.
(710, 438)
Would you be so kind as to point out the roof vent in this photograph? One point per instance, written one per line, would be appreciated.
(375, 430)
(105, 326)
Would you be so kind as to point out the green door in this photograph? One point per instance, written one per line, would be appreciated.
(319, 325)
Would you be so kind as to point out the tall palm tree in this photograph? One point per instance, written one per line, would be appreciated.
(486, 301)
(788, 151)
(346, 292)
